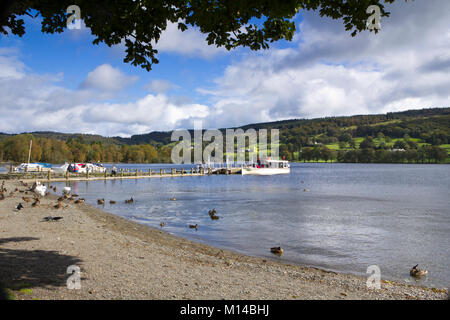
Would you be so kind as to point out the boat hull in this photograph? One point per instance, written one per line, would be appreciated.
(265, 171)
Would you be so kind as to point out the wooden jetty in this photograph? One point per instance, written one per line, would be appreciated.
(49, 176)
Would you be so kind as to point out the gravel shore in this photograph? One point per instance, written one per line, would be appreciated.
(120, 259)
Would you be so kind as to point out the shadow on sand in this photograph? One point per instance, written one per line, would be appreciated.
(32, 268)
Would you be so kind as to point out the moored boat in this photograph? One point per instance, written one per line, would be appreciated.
(34, 167)
(267, 167)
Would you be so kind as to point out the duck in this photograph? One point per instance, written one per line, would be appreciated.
(129, 201)
(79, 201)
(162, 224)
(36, 203)
(212, 214)
(19, 206)
(112, 202)
(26, 199)
(58, 205)
(277, 251)
(101, 201)
(173, 199)
(416, 272)
(193, 226)
(52, 218)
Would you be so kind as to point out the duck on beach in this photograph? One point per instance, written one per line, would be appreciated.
(58, 205)
(50, 218)
(416, 272)
(193, 226)
(100, 201)
(162, 224)
(35, 203)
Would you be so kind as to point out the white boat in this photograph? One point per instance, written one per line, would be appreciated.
(33, 167)
(267, 167)
(80, 168)
(61, 169)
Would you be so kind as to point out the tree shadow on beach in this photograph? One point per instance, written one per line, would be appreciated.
(32, 268)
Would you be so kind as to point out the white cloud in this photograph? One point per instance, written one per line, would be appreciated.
(160, 86)
(191, 43)
(330, 73)
(34, 102)
(11, 66)
(405, 66)
(107, 78)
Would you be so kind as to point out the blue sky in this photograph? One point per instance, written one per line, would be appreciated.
(62, 82)
(73, 54)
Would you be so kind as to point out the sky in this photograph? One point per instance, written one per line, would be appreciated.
(62, 82)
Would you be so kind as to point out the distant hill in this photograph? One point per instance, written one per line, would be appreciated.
(414, 136)
(411, 117)
(86, 138)
(342, 122)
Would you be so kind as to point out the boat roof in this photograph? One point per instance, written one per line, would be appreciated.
(272, 160)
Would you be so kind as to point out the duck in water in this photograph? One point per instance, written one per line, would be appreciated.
(129, 201)
(416, 272)
(277, 251)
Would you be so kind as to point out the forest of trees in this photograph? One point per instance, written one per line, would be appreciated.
(15, 148)
(417, 136)
(424, 154)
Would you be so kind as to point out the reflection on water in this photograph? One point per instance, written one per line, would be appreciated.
(342, 217)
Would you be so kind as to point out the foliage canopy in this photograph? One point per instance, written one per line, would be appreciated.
(226, 23)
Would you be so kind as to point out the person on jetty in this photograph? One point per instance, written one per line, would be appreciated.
(114, 171)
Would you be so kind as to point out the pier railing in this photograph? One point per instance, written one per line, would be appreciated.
(119, 174)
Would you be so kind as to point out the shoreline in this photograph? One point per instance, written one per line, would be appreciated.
(121, 259)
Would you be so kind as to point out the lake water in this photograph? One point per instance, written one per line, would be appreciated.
(340, 217)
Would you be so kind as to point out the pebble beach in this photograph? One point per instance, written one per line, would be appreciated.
(121, 259)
